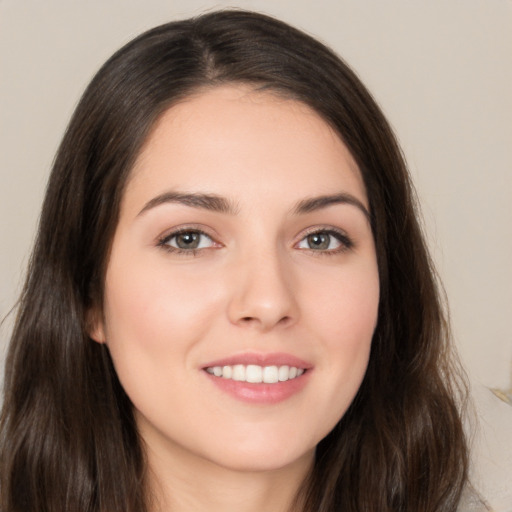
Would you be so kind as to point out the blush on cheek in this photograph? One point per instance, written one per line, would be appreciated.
(351, 322)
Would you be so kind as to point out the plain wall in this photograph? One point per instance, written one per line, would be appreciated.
(441, 71)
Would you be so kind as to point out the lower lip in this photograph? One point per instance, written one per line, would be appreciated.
(261, 393)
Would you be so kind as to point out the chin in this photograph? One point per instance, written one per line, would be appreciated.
(263, 457)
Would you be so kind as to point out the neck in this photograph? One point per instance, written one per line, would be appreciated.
(187, 485)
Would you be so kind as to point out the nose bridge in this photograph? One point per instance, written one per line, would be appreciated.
(263, 288)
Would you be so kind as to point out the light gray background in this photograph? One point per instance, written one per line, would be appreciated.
(441, 70)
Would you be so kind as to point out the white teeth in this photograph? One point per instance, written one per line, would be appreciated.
(256, 374)
(253, 373)
(238, 372)
(284, 373)
(270, 374)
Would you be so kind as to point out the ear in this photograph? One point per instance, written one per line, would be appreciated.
(96, 325)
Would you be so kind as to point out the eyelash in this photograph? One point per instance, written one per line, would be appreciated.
(163, 242)
(345, 242)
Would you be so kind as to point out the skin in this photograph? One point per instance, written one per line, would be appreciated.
(254, 285)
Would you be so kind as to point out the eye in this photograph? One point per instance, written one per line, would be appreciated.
(330, 241)
(186, 240)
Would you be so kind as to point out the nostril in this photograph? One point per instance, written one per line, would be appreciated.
(253, 320)
(285, 320)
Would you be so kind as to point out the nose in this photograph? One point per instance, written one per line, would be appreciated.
(263, 293)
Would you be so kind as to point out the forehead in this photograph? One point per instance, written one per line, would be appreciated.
(233, 140)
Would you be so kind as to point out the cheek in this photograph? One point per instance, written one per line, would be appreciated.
(345, 316)
(154, 314)
(344, 306)
(355, 322)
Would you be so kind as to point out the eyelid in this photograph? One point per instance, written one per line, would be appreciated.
(163, 239)
(340, 234)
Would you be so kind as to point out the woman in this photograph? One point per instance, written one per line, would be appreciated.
(230, 303)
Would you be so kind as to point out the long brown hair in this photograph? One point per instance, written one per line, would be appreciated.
(68, 439)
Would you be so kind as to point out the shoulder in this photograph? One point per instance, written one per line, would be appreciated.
(490, 433)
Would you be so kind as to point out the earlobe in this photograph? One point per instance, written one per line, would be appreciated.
(95, 326)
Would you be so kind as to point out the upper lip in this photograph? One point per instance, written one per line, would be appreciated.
(261, 359)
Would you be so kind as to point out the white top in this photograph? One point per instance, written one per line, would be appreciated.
(491, 454)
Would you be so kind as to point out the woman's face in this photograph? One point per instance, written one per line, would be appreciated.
(242, 288)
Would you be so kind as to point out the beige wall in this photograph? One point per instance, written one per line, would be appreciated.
(441, 70)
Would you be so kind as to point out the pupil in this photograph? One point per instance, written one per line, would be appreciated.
(187, 240)
(318, 241)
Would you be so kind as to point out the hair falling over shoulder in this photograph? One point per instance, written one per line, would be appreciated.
(68, 438)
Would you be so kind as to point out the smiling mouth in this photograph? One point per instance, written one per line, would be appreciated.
(256, 374)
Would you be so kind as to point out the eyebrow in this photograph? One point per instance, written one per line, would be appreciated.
(220, 204)
(210, 202)
(316, 203)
